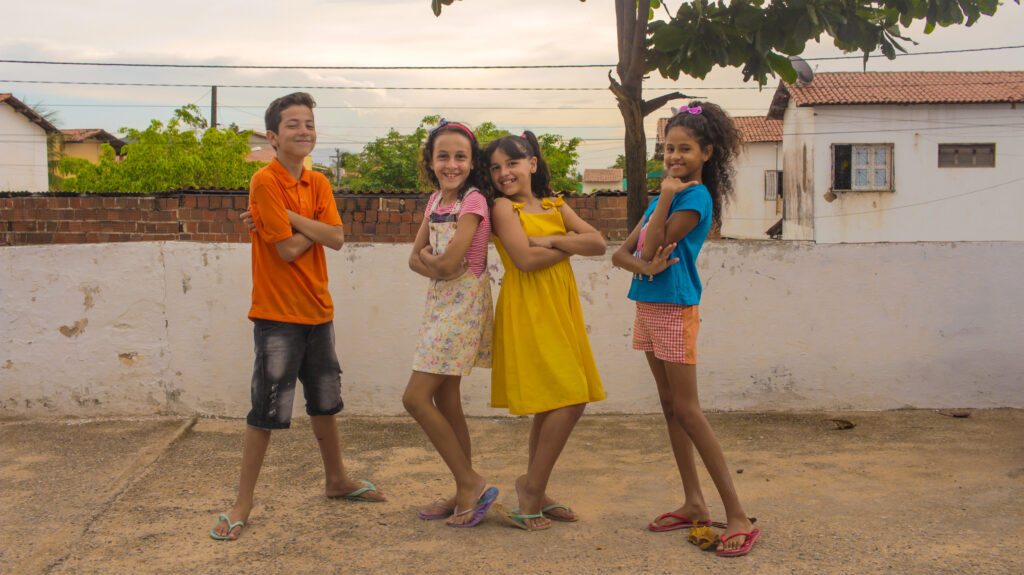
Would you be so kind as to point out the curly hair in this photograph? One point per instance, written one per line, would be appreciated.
(712, 126)
(526, 146)
(478, 165)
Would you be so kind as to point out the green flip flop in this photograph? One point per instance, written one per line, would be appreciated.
(546, 512)
(517, 519)
(231, 527)
(357, 495)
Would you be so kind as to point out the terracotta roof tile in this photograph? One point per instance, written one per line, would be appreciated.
(759, 128)
(845, 88)
(591, 175)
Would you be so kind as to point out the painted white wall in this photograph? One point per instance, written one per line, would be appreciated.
(748, 215)
(928, 203)
(22, 153)
(798, 149)
(142, 328)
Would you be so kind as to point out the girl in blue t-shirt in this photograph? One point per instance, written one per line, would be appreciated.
(701, 142)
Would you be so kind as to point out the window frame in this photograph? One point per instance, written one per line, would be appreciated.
(974, 154)
(776, 177)
(890, 162)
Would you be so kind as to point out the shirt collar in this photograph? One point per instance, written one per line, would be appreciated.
(286, 178)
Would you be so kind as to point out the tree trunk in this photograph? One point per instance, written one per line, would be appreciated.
(631, 20)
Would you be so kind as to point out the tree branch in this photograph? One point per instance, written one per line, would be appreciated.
(650, 106)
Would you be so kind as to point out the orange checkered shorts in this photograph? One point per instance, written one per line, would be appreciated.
(667, 329)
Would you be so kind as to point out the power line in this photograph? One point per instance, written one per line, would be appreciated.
(480, 67)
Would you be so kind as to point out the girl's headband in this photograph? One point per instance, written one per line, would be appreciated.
(444, 123)
(694, 110)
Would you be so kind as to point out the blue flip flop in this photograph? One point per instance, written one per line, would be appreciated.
(547, 513)
(231, 527)
(487, 498)
(357, 495)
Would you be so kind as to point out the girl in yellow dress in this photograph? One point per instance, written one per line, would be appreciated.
(542, 360)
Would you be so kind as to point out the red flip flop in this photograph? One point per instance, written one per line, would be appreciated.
(747, 545)
(684, 523)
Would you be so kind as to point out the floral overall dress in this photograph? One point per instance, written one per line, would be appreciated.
(458, 321)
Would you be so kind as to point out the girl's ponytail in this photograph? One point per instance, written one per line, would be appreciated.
(540, 182)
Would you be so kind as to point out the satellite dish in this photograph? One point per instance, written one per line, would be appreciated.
(804, 74)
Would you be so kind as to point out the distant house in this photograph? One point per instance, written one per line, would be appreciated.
(23, 150)
(756, 202)
(262, 151)
(903, 156)
(86, 144)
(602, 179)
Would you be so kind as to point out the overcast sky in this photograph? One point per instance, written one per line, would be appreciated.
(387, 33)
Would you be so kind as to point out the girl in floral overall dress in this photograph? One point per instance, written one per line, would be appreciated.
(451, 249)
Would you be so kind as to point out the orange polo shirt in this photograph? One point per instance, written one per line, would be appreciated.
(296, 291)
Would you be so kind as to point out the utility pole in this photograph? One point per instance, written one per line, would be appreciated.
(213, 106)
(337, 166)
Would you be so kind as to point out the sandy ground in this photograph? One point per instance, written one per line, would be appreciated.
(902, 492)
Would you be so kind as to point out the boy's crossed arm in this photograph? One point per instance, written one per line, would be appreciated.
(305, 232)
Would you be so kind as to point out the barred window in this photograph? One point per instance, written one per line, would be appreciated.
(967, 155)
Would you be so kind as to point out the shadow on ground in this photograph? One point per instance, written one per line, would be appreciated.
(903, 491)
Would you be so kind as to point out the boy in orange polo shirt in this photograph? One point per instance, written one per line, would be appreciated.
(292, 216)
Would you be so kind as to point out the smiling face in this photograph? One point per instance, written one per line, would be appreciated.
(295, 136)
(451, 161)
(684, 157)
(511, 176)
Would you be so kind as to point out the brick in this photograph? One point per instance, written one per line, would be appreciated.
(202, 201)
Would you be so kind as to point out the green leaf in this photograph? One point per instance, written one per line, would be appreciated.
(782, 66)
(668, 38)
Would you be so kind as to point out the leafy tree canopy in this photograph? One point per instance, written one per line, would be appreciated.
(166, 157)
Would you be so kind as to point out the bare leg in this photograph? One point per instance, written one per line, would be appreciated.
(419, 401)
(253, 451)
(687, 411)
(548, 437)
(694, 507)
(338, 483)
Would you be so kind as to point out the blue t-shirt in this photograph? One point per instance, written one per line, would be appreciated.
(679, 283)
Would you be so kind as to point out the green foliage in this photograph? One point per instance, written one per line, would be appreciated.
(562, 159)
(389, 163)
(162, 158)
(652, 167)
(758, 36)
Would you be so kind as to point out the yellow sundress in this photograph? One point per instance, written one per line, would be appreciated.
(542, 357)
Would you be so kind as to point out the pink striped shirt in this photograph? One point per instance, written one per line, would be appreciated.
(473, 203)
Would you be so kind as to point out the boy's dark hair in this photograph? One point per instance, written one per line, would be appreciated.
(272, 119)
(525, 146)
(712, 126)
(477, 176)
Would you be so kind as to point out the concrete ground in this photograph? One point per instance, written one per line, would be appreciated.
(901, 492)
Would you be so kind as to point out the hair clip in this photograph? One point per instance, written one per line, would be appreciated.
(693, 111)
(445, 122)
(523, 136)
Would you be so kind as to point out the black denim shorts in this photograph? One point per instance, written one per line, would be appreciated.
(286, 352)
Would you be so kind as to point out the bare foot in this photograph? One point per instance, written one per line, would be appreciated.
(556, 512)
(465, 501)
(347, 486)
(439, 509)
(743, 525)
(695, 512)
(530, 504)
(238, 513)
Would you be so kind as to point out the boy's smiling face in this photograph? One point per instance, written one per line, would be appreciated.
(296, 134)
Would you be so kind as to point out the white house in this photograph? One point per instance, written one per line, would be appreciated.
(756, 203)
(23, 152)
(903, 157)
(602, 179)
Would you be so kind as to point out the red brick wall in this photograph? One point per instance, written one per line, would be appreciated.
(213, 217)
